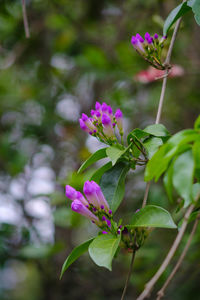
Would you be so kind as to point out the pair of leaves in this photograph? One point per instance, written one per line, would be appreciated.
(103, 248)
(181, 160)
(179, 11)
(151, 138)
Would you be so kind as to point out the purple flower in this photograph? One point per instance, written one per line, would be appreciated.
(98, 106)
(82, 198)
(138, 36)
(84, 117)
(108, 223)
(110, 211)
(98, 114)
(70, 192)
(104, 232)
(147, 36)
(134, 40)
(109, 110)
(90, 192)
(156, 36)
(106, 121)
(93, 112)
(137, 44)
(118, 117)
(101, 199)
(83, 126)
(78, 207)
(107, 126)
(103, 218)
(104, 107)
(88, 122)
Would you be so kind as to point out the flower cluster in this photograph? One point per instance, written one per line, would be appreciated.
(102, 123)
(150, 48)
(93, 206)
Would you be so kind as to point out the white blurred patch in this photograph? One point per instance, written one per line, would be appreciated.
(42, 182)
(9, 211)
(93, 144)
(12, 274)
(17, 188)
(68, 108)
(38, 208)
(62, 62)
(45, 227)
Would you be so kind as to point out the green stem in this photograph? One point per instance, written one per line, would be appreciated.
(129, 275)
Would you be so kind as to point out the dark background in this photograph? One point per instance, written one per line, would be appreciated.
(80, 52)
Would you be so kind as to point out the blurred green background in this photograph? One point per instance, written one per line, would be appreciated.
(80, 52)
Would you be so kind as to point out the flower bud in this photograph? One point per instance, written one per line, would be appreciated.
(81, 198)
(78, 207)
(107, 126)
(70, 192)
(119, 117)
(90, 193)
(101, 199)
(83, 126)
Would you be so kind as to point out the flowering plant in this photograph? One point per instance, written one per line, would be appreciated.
(176, 157)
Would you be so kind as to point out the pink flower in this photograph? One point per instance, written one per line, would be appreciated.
(78, 207)
(70, 192)
(152, 74)
(101, 199)
(107, 126)
(90, 192)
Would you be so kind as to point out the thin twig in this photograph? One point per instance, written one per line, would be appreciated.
(25, 18)
(129, 275)
(160, 293)
(162, 95)
(146, 194)
(149, 286)
(139, 148)
(167, 61)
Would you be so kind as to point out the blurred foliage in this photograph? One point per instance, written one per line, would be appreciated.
(80, 52)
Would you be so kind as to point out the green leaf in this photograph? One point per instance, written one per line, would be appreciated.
(151, 145)
(196, 10)
(152, 216)
(103, 249)
(158, 130)
(196, 154)
(177, 144)
(168, 183)
(114, 153)
(136, 133)
(99, 154)
(183, 171)
(196, 191)
(113, 184)
(74, 255)
(96, 176)
(135, 136)
(197, 123)
(174, 15)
